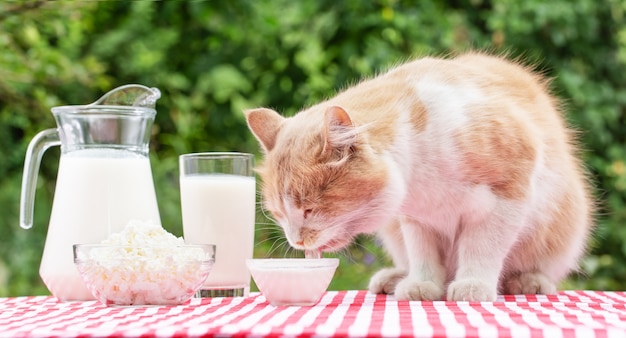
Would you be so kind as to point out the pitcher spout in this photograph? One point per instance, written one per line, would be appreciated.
(133, 95)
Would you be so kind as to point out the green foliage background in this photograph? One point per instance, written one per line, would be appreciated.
(212, 59)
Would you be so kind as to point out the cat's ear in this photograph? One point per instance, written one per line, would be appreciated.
(264, 124)
(339, 132)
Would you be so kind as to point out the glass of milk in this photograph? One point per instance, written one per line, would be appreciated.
(218, 202)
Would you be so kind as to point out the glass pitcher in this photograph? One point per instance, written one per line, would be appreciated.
(104, 179)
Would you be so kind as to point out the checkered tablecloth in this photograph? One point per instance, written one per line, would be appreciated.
(339, 313)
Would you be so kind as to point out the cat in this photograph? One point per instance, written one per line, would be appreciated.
(464, 166)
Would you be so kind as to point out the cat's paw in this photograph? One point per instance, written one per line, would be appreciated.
(385, 280)
(529, 283)
(471, 290)
(408, 289)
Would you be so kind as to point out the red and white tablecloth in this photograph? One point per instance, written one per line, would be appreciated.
(339, 313)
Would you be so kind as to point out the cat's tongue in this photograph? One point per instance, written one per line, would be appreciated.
(317, 254)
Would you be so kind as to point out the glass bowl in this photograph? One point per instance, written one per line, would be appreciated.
(143, 275)
(292, 281)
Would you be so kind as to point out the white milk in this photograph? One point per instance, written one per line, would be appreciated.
(220, 209)
(97, 193)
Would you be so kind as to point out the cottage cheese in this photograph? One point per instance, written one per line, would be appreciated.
(144, 264)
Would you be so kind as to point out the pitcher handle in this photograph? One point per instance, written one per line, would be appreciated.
(37, 146)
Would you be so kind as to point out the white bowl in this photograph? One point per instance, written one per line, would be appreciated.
(143, 275)
(297, 281)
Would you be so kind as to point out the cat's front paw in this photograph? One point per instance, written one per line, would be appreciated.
(471, 290)
(529, 283)
(408, 289)
(385, 280)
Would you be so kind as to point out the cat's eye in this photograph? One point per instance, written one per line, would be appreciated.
(307, 213)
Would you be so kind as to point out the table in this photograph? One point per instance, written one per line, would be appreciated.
(354, 313)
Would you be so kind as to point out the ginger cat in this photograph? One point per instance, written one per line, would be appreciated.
(463, 166)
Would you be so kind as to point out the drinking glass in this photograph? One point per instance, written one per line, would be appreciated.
(218, 202)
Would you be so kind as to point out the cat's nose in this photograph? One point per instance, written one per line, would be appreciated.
(308, 237)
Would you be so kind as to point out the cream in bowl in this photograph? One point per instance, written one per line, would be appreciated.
(297, 281)
(143, 265)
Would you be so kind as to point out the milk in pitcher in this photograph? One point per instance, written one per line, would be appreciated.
(98, 192)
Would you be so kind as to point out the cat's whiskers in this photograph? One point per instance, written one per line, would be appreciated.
(272, 238)
(346, 253)
(263, 215)
(264, 211)
(278, 246)
(269, 227)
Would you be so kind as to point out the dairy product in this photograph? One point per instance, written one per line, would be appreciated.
(293, 281)
(143, 264)
(98, 191)
(316, 254)
(220, 209)
(146, 235)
